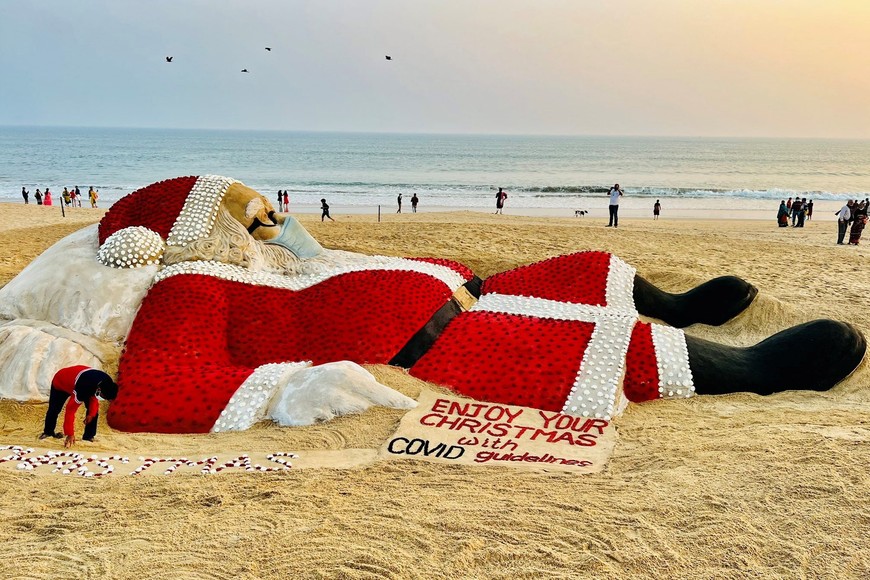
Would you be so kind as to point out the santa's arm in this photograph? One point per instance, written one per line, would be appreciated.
(175, 374)
(193, 365)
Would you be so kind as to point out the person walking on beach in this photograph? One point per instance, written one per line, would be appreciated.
(500, 197)
(657, 209)
(843, 217)
(325, 209)
(26, 195)
(414, 201)
(93, 196)
(47, 198)
(86, 386)
(286, 201)
(399, 200)
(615, 193)
(38, 196)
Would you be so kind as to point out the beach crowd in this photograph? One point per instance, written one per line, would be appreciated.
(854, 212)
(70, 197)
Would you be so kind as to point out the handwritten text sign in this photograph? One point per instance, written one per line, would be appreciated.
(461, 431)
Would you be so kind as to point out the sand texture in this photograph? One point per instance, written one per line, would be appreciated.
(711, 487)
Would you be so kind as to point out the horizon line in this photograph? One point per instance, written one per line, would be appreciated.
(444, 133)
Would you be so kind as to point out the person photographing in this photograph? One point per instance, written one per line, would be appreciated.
(615, 193)
(76, 386)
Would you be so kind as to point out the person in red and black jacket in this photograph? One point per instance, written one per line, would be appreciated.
(85, 385)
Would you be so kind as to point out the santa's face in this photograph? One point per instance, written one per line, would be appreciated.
(254, 211)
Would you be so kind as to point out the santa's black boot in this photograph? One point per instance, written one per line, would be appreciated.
(714, 302)
(811, 356)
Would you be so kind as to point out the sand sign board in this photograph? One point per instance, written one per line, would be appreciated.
(449, 429)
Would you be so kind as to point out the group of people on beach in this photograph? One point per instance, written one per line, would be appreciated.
(414, 201)
(799, 211)
(71, 196)
(853, 212)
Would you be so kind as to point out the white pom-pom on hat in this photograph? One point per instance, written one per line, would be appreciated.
(131, 247)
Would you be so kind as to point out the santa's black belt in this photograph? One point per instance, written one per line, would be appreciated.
(424, 338)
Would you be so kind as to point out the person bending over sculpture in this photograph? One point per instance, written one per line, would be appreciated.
(208, 263)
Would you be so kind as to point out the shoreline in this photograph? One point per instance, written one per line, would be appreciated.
(630, 209)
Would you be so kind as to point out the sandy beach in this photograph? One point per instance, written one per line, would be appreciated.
(710, 487)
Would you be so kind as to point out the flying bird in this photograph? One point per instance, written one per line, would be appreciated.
(269, 49)
(388, 57)
(168, 59)
(244, 70)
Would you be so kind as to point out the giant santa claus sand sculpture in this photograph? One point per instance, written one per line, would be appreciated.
(225, 313)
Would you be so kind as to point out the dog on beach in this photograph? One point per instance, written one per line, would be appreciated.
(580, 212)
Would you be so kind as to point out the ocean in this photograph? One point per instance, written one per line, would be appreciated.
(547, 175)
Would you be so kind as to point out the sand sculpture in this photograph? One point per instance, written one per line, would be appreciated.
(222, 313)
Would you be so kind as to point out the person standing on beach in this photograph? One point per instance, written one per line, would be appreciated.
(65, 196)
(280, 198)
(657, 209)
(615, 193)
(86, 386)
(93, 196)
(782, 215)
(38, 196)
(286, 204)
(810, 210)
(47, 198)
(78, 196)
(325, 209)
(399, 200)
(414, 201)
(795, 211)
(26, 195)
(843, 217)
(500, 197)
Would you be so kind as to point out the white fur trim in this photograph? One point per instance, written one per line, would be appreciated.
(313, 272)
(599, 378)
(544, 308)
(620, 286)
(250, 402)
(672, 358)
(200, 210)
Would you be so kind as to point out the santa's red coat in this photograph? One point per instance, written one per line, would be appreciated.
(559, 335)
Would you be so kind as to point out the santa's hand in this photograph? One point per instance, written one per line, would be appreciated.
(70, 441)
(330, 390)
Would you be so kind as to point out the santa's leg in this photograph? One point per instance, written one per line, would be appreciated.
(601, 279)
(714, 302)
(828, 352)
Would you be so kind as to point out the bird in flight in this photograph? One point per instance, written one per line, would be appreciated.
(244, 70)
(269, 49)
(388, 57)
(168, 59)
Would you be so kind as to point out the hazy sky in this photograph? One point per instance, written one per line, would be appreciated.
(791, 68)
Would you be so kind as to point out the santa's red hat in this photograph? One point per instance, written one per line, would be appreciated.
(175, 212)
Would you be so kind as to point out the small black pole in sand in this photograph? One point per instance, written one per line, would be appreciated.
(62, 212)
(379, 214)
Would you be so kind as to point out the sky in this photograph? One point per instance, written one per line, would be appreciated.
(741, 68)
